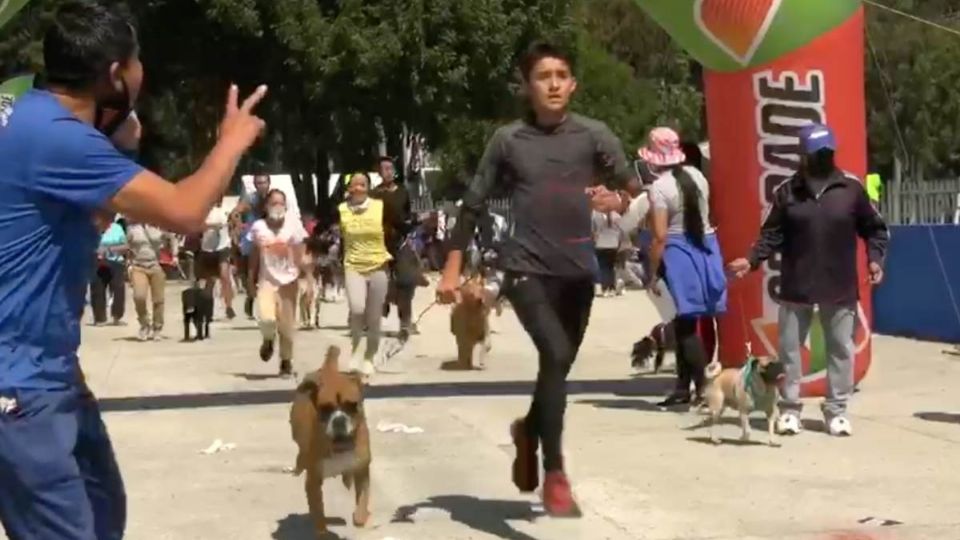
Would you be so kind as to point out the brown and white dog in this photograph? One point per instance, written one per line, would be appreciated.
(470, 323)
(753, 387)
(660, 340)
(330, 429)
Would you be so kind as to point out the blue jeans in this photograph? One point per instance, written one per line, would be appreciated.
(59, 475)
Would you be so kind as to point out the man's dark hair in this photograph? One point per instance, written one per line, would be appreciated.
(85, 38)
(384, 159)
(537, 52)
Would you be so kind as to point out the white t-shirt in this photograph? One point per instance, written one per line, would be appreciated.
(665, 194)
(606, 230)
(635, 217)
(217, 235)
(277, 263)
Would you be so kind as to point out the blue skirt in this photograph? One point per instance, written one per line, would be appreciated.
(695, 277)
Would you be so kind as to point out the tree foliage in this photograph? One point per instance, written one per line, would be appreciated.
(346, 76)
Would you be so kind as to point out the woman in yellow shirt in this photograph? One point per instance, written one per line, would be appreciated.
(365, 261)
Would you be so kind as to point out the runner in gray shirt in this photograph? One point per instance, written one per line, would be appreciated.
(552, 164)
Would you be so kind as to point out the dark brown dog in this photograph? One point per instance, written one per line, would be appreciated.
(660, 340)
(330, 429)
(470, 324)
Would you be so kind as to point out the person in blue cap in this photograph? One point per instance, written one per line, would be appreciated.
(814, 221)
(61, 169)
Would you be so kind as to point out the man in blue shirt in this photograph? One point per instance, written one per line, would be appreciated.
(58, 474)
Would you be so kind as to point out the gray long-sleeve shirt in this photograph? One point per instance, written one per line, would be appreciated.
(546, 172)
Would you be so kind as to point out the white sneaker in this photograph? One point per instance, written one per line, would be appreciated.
(840, 427)
(144, 333)
(368, 368)
(789, 424)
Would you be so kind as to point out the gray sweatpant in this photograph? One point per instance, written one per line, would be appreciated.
(365, 296)
(839, 325)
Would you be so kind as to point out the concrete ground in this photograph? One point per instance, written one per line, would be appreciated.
(639, 472)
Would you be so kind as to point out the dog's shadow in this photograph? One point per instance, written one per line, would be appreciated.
(455, 365)
(942, 417)
(255, 377)
(624, 404)
(724, 441)
(300, 527)
(482, 515)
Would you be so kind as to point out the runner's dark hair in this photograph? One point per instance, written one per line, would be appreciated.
(537, 52)
(693, 224)
(83, 41)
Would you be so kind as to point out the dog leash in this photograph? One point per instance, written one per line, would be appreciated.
(402, 343)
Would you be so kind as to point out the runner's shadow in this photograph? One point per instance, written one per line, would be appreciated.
(300, 527)
(482, 515)
(946, 418)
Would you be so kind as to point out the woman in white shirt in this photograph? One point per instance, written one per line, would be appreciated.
(276, 261)
(607, 235)
(213, 261)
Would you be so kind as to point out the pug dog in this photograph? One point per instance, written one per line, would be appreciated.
(755, 386)
(329, 427)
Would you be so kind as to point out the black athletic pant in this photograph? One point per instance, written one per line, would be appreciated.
(405, 305)
(112, 275)
(554, 311)
(691, 356)
(607, 260)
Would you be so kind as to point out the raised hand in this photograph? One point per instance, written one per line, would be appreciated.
(240, 127)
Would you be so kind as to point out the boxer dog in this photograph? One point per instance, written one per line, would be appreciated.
(753, 387)
(470, 324)
(328, 424)
(197, 306)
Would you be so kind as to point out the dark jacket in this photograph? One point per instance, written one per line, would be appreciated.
(816, 235)
(397, 217)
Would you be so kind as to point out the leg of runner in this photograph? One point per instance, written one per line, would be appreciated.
(226, 282)
(555, 313)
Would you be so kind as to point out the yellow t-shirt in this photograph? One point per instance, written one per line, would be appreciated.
(362, 233)
(874, 187)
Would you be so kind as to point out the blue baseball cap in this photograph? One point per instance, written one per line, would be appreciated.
(817, 137)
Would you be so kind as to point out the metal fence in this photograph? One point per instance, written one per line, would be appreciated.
(925, 202)
(426, 203)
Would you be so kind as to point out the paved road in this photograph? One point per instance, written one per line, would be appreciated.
(639, 472)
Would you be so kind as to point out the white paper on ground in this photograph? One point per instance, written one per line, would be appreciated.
(218, 446)
(394, 427)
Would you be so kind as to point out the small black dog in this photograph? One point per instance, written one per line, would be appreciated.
(197, 309)
(660, 340)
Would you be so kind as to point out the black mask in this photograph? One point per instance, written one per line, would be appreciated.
(112, 112)
(820, 164)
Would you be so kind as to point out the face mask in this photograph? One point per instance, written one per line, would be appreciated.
(277, 213)
(113, 111)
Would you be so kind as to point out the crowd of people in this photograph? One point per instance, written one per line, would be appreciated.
(574, 197)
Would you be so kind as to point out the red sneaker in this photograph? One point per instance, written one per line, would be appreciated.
(526, 469)
(557, 496)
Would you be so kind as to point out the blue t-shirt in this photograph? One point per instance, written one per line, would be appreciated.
(56, 171)
(113, 237)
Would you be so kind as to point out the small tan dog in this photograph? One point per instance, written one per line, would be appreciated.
(470, 324)
(330, 429)
(753, 387)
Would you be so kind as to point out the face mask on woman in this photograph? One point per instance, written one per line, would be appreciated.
(276, 213)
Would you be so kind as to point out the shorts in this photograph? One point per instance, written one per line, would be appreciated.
(208, 263)
(58, 471)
